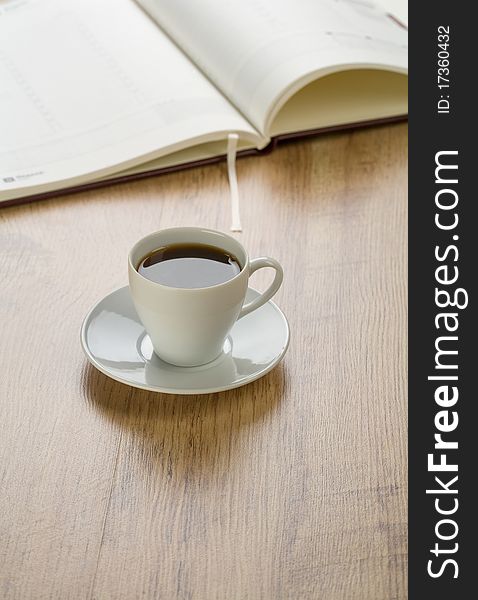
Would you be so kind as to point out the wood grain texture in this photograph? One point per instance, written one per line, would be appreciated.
(293, 487)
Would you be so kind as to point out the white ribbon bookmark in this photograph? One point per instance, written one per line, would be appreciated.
(232, 140)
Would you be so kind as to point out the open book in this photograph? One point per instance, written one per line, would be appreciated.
(102, 90)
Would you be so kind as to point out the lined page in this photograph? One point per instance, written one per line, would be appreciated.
(260, 52)
(95, 86)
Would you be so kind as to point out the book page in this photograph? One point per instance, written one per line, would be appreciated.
(259, 53)
(328, 101)
(397, 8)
(92, 87)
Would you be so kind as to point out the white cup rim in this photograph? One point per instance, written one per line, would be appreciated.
(205, 230)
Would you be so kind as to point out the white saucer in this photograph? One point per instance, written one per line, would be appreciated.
(116, 343)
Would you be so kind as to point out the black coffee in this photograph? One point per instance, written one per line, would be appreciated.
(189, 266)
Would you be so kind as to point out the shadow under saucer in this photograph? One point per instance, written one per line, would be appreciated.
(177, 433)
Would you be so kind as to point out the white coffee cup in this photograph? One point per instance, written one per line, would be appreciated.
(188, 326)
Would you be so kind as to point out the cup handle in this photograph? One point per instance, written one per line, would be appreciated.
(254, 265)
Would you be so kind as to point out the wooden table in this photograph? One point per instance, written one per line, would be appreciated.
(293, 487)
